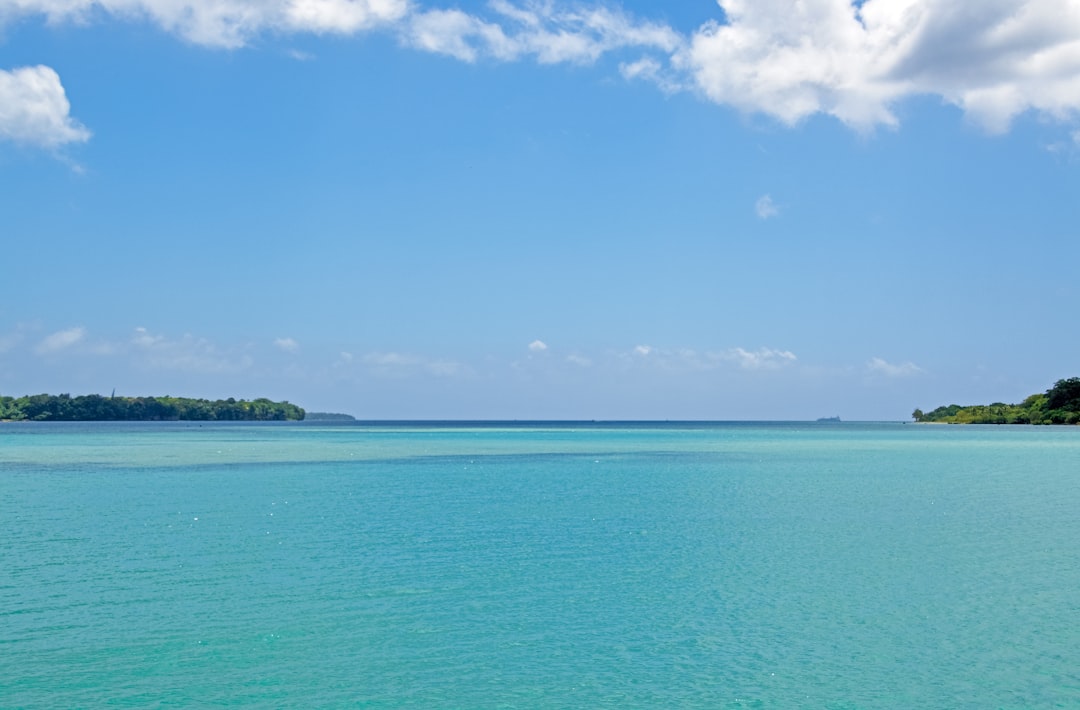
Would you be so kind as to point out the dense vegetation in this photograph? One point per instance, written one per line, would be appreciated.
(1058, 405)
(93, 407)
(329, 417)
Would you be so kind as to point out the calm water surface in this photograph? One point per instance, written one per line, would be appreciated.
(664, 565)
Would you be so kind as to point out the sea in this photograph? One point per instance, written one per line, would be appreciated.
(539, 565)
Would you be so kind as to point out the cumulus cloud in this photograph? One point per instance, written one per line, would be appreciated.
(34, 109)
(538, 346)
(855, 61)
(289, 345)
(765, 207)
(881, 367)
(642, 350)
(763, 358)
(994, 58)
(61, 340)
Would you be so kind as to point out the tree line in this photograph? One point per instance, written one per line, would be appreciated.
(94, 407)
(1058, 405)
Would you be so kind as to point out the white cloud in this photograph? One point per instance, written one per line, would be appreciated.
(390, 359)
(994, 58)
(1068, 145)
(538, 346)
(579, 360)
(543, 30)
(339, 16)
(763, 358)
(765, 207)
(548, 31)
(34, 109)
(881, 367)
(459, 35)
(289, 345)
(691, 360)
(223, 23)
(186, 354)
(855, 61)
(61, 340)
(652, 70)
(644, 68)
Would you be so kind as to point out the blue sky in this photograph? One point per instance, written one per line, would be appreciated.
(743, 210)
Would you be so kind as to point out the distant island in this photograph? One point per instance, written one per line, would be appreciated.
(1058, 405)
(328, 417)
(96, 408)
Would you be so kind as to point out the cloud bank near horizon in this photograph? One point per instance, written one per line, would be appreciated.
(855, 62)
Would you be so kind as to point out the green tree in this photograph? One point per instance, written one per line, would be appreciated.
(93, 407)
(1065, 394)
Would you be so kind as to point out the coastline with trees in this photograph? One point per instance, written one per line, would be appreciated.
(1058, 405)
(97, 408)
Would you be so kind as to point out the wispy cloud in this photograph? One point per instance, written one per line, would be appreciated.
(61, 340)
(391, 359)
(765, 207)
(1068, 146)
(396, 364)
(879, 366)
(545, 31)
(762, 358)
(9, 341)
(186, 354)
(300, 55)
(579, 360)
(654, 71)
(693, 360)
(288, 345)
(34, 109)
(224, 23)
(538, 346)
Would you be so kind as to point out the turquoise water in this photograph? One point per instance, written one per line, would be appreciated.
(707, 566)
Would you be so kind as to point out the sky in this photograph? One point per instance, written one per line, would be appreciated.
(518, 209)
